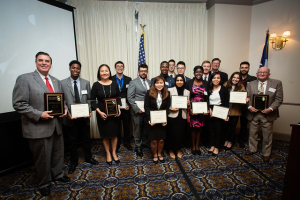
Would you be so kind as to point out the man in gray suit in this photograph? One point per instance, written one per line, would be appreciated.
(136, 92)
(77, 90)
(272, 88)
(43, 131)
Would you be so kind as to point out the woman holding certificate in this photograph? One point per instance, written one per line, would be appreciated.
(157, 103)
(218, 96)
(197, 88)
(177, 116)
(107, 93)
(233, 84)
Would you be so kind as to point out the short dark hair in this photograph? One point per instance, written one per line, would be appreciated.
(181, 63)
(163, 63)
(143, 66)
(119, 62)
(172, 61)
(74, 62)
(43, 53)
(98, 74)
(215, 59)
(198, 67)
(245, 63)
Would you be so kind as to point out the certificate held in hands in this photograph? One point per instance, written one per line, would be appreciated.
(54, 102)
(199, 107)
(124, 104)
(111, 106)
(80, 110)
(220, 112)
(140, 104)
(158, 116)
(238, 97)
(179, 101)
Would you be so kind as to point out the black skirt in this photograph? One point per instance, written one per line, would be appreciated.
(108, 127)
(175, 133)
(156, 132)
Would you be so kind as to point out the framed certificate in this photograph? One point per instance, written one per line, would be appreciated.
(158, 116)
(179, 101)
(124, 104)
(140, 104)
(80, 110)
(111, 106)
(238, 97)
(54, 102)
(199, 107)
(220, 112)
(260, 101)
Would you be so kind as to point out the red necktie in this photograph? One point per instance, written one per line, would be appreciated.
(205, 78)
(48, 85)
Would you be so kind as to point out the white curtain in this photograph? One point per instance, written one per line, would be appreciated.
(173, 31)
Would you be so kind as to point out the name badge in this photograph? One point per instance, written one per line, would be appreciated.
(272, 90)
(127, 85)
(166, 83)
(83, 91)
(205, 93)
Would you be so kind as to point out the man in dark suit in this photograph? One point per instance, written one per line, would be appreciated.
(136, 92)
(215, 68)
(181, 69)
(272, 88)
(172, 67)
(206, 70)
(76, 91)
(123, 83)
(43, 131)
(246, 78)
(164, 68)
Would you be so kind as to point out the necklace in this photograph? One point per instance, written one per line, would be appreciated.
(109, 91)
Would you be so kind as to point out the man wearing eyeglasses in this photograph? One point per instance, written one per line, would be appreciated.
(172, 68)
(263, 86)
(181, 69)
(215, 68)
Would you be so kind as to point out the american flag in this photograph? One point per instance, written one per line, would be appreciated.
(142, 58)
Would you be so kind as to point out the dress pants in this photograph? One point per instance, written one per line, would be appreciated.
(230, 128)
(244, 124)
(205, 131)
(79, 131)
(267, 132)
(48, 155)
(215, 127)
(125, 118)
(140, 132)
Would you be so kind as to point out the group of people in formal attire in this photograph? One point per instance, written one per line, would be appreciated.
(44, 131)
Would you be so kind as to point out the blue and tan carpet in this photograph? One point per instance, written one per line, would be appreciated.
(231, 175)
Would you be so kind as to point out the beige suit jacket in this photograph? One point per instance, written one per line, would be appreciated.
(173, 91)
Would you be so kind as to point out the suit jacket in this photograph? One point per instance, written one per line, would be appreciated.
(187, 78)
(28, 100)
(173, 91)
(125, 86)
(70, 97)
(150, 104)
(136, 92)
(170, 82)
(275, 98)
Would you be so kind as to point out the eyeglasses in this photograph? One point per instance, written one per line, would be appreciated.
(119, 66)
(171, 65)
(181, 68)
(263, 73)
(144, 71)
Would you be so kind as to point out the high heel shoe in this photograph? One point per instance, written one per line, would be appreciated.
(161, 160)
(155, 161)
(109, 163)
(117, 161)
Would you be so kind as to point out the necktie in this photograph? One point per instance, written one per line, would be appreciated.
(144, 83)
(205, 77)
(48, 85)
(77, 98)
(261, 88)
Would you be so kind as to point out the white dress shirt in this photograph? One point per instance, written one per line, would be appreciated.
(49, 79)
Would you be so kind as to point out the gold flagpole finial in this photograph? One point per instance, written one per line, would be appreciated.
(142, 27)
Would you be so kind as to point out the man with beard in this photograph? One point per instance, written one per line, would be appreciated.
(246, 78)
(164, 68)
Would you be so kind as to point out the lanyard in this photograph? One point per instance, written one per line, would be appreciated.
(120, 84)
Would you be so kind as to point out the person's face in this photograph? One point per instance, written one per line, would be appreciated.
(104, 73)
(206, 68)
(244, 69)
(164, 68)
(216, 65)
(179, 82)
(143, 72)
(263, 74)
(235, 79)
(159, 85)
(198, 74)
(119, 68)
(217, 79)
(43, 64)
(180, 69)
(75, 71)
(171, 66)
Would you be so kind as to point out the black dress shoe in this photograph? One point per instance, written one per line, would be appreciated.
(241, 144)
(72, 169)
(92, 161)
(198, 152)
(45, 191)
(128, 146)
(63, 179)
(139, 152)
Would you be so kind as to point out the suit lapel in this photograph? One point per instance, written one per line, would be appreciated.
(55, 83)
(256, 87)
(141, 84)
(269, 83)
(38, 78)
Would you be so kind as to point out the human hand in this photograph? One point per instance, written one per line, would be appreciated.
(164, 124)
(140, 111)
(88, 116)
(174, 109)
(152, 124)
(64, 113)
(127, 107)
(70, 116)
(266, 111)
(103, 115)
(45, 115)
(252, 109)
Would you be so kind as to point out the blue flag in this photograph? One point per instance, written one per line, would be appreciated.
(142, 58)
(265, 53)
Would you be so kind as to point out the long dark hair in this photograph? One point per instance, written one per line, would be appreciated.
(238, 86)
(210, 84)
(98, 74)
(153, 91)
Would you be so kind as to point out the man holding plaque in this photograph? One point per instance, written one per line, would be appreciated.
(43, 131)
(77, 91)
(136, 95)
(123, 83)
(266, 95)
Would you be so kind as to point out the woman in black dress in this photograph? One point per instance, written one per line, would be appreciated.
(108, 125)
(157, 98)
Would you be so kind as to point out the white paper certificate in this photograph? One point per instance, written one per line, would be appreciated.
(220, 112)
(179, 102)
(199, 107)
(80, 110)
(140, 104)
(238, 97)
(158, 116)
(124, 104)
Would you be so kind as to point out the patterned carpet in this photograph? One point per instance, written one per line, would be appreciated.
(231, 175)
